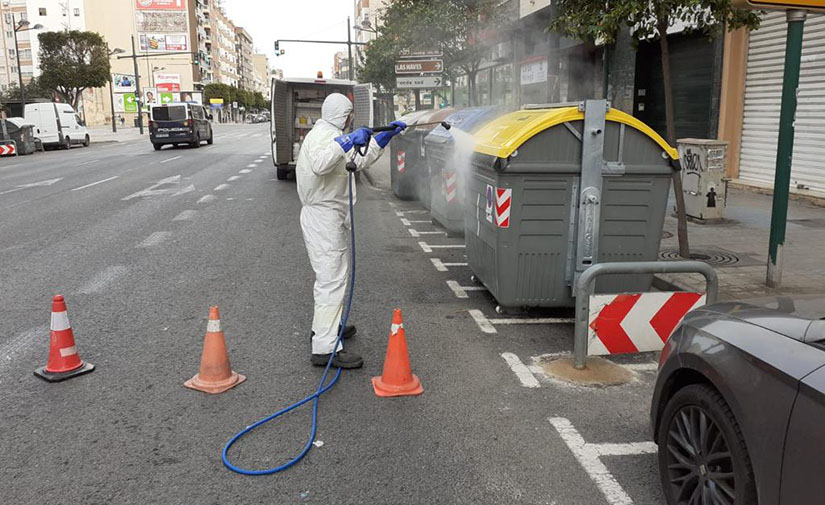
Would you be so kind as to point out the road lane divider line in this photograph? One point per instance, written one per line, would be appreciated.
(244, 171)
(417, 234)
(96, 183)
(428, 248)
(523, 373)
(233, 178)
(155, 239)
(461, 291)
(442, 267)
(207, 199)
(102, 279)
(85, 163)
(221, 187)
(588, 456)
(251, 165)
(186, 215)
(167, 160)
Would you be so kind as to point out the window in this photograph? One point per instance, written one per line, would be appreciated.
(8, 19)
(42, 11)
(13, 70)
(9, 34)
(25, 54)
(173, 113)
(11, 53)
(76, 12)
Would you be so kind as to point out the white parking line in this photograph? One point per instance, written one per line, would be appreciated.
(482, 321)
(155, 239)
(167, 160)
(221, 187)
(244, 171)
(400, 213)
(461, 291)
(186, 215)
(95, 183)
(442, 267)
(417, 234)
(405, 222)
(428, 248)
(102, 279)
(233, 178)
(642, 367)
(422, 221)
(522, 372)
(588, 457)
(207, 199)
(486, 325)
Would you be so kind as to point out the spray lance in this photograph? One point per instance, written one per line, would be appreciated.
(363, 151)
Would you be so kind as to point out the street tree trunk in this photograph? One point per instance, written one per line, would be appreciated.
(681, 216)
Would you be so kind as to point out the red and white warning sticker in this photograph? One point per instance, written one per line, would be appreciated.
(504, 198)
(400, 159)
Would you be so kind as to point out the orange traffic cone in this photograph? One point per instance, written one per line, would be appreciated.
(397, 379)
(64, 361)
(215, 374)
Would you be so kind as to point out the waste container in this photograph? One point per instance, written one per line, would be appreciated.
(448, 161)
(409, 172)
(553, 191)
(21, 132)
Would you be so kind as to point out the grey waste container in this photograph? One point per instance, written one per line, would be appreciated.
(553, 191)
(22, 132)
(448, 161)
(408, 166)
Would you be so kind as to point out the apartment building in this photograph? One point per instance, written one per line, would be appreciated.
(246, 68)
(260, 64)
(224, 47)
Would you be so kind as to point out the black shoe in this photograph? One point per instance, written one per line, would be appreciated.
(342, 359)
(348, 333)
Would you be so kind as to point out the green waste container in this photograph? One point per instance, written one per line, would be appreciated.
(409, 175)
(553, 191)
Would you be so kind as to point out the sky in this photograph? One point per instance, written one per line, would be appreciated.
(268, 20)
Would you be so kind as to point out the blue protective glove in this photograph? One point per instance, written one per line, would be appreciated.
(360, 137)
(383, 138)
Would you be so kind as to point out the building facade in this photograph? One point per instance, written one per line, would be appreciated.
(260, 65)
(244, 50)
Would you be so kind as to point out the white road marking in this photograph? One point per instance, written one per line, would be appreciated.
(183, 191)
(233, 178)
(522, 372)
(155, 239)
(461, 291)
(442, 267)
(48, 182)
(251, 165)
(424, 221)
(405, 222)
(428, 248)
(22, 343)
(534, 320)
(588, 457)
(95, 183)
(642, 367)
(244, 171)
(400, 213)
(482, 322)
(417, 234)
(256, 134)
(102, 279)
(153, 189)
(186, 215)
(85, 163)
(167, 160)
(221, 187)
(229, 199)
(207, 199)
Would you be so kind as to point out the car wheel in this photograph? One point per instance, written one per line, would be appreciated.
(197, 142)
(67, 143)
(282, 173)
(86, 141)
(157, 147)
(703, 459)
(211, 138)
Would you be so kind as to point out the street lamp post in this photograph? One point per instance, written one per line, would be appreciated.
(21, 26)
(111, 53)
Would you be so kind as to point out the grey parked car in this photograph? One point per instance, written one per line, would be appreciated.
(739, 406)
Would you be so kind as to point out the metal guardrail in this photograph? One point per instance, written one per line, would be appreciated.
(586, 283)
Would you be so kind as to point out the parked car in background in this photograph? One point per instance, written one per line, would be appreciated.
(739, 404)
(180, 123)
(57, 124)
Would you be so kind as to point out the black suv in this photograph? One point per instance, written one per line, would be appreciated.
(179, 123)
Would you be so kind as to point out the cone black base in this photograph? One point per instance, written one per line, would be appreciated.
(41, 372)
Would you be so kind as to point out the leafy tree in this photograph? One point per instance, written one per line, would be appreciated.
(601, 20)
(218, 90)
(71, 61)
(379, 63)
(32, 89)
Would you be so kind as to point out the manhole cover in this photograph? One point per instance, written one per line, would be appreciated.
(666, 234)
(723, 258)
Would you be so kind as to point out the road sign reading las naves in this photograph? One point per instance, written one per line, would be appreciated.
(424, 82)
(418, 66)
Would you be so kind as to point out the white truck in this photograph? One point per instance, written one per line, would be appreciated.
(296, 105)
(57, 124)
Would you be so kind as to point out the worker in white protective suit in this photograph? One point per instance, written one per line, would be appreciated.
(321, 173)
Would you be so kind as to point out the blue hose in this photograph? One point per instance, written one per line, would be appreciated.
(322, 388)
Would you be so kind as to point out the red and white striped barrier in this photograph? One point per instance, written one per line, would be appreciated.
(400, 159)
(636, 322)
(504, 197)
(7, 149)
(450, 185)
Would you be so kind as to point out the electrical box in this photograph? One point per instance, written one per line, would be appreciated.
(704, 164)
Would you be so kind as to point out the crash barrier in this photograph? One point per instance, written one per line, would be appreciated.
(556, 189)
(673, 305)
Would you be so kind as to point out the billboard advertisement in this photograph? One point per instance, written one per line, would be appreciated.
(169, 5)
(164, 42)
(162, 25)
(123, 83)
(167, 83)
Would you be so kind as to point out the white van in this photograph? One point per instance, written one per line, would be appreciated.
(57, 124)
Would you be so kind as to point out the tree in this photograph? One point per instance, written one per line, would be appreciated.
(71, 61)
(649, 19)
(379, 60)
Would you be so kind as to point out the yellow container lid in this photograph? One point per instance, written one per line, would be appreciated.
(504, 135)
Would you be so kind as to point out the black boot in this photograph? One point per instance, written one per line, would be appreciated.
(342, 359)
(348, 333)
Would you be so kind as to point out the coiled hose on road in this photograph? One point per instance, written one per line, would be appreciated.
(322, 388)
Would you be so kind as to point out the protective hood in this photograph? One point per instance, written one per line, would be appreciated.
(335, 110)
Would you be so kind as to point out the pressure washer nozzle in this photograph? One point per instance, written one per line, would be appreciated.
(446, 125)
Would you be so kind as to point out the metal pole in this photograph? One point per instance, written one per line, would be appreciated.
(19, 70)
(784, 148)
(605, 71)
(349, 50)
(137, 87)
(111, 93)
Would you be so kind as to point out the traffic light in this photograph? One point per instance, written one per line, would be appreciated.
(277, 48)
(196, 59)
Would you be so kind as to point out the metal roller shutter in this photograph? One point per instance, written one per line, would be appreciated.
(763, 92)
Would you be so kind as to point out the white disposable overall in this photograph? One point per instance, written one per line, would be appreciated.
(322, 187)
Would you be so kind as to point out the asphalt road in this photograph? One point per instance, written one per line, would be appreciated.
(141, 243)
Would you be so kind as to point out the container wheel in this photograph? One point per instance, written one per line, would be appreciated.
(282, 173)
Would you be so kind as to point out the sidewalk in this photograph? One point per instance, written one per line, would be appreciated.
(105, 134)
(738, 248)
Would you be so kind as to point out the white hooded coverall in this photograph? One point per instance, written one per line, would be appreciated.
(322, 187)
